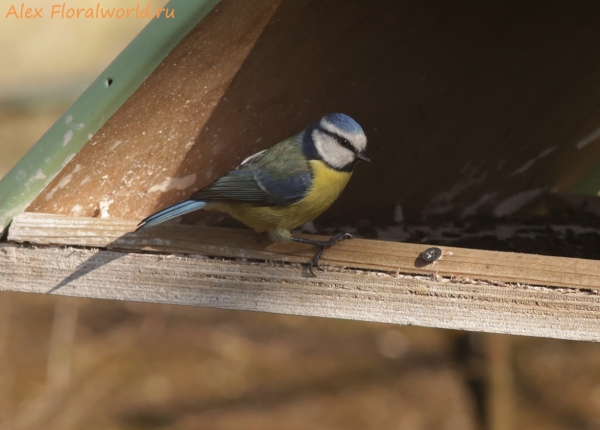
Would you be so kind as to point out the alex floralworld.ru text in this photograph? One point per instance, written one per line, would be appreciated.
(62, 10)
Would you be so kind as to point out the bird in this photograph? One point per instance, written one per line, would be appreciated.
(285, 186)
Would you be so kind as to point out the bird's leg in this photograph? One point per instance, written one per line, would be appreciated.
(320, 244)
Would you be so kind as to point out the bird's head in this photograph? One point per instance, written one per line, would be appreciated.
(338, 140)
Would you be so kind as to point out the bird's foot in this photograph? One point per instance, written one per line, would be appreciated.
(326, 245)
(323, 245)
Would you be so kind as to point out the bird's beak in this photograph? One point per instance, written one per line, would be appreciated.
(363, 156)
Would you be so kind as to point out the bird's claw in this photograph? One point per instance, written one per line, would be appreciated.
(335, 239)
(315, 262)
(338, 238)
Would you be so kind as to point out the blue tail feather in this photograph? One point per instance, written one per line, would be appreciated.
(171, 212)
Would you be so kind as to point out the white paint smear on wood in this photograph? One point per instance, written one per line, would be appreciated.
(516, 202)
(593, 136)
(173, 184)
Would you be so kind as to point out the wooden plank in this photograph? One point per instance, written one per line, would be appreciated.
(392, 257)
(230, 284)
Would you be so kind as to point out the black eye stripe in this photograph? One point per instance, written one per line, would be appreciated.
(345, 143)
(342, 141)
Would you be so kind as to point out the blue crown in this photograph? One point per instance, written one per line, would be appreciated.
(344, 122)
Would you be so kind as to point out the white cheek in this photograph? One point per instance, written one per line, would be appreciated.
(338, 157)
(332, 153)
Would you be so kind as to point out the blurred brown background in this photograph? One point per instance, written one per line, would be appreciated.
(75, 363)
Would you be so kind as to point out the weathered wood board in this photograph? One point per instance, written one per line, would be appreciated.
(389, 257)
(231, 284)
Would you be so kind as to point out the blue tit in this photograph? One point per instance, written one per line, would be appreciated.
(285, 186)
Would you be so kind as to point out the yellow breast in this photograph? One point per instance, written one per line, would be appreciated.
(326, 187)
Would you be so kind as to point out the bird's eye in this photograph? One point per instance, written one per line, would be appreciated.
(345, 143)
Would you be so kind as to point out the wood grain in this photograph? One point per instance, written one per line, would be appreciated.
(287, 289)
(150, 152)
(391, 257)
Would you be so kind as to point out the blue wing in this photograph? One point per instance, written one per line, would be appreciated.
(278, 176)
(256, 186)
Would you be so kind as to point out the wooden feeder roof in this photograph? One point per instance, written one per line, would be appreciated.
(468, 109)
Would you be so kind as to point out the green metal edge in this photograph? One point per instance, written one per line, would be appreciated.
(96, 105)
